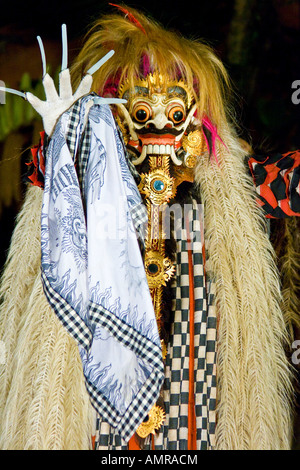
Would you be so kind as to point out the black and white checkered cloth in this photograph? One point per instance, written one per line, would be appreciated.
(69, 318)
(173, 435)
(79, 147)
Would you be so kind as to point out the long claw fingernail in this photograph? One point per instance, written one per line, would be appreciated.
(43, 55)
(100, 62)
(14, 92)
(64, 63)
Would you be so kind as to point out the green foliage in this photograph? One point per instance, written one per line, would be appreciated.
(17, 112)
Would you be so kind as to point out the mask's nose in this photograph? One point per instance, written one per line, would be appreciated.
(160, 121)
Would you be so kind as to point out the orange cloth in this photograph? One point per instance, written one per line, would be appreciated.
(132, 444)
(192, 428)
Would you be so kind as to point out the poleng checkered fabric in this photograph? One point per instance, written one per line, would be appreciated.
(73, 124)
(69, 318)
(173, 434)
(78, 148)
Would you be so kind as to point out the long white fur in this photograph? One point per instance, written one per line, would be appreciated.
(254, 379)
(43, 401)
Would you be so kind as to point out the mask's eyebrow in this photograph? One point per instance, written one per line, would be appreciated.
(136, 91)
(176, 90)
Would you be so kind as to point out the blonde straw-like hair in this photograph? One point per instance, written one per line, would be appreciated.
(198, 65)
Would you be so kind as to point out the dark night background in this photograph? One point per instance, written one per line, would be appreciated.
(258, 40)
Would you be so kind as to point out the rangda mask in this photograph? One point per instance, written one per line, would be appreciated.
(159, 119)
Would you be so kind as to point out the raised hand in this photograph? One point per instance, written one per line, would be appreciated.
(57, 103)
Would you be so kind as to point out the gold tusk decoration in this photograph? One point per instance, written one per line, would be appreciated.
(194, 144)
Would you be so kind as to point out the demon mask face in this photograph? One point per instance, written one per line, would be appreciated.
(158, 119)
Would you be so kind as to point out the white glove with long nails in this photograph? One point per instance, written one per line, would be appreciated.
(57, 103)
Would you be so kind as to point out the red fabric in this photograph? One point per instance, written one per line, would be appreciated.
(130, 17)
(132, 444)
(36, 168)
(277, 181)
(192, 427)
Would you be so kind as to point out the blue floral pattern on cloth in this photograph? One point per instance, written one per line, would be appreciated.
(92, 268)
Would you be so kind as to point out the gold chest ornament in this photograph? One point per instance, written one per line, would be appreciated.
(158, 187)
(155, 126)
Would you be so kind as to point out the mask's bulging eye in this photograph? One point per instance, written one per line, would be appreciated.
(141, 113)
(176, 114)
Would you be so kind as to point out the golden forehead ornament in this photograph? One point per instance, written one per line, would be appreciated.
(157, 83)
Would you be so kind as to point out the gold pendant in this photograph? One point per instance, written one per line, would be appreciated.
(159, 269)
(155, 419)
(157, 187)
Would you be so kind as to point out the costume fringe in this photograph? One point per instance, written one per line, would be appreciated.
(254, 390)
(44, 403)
(43, 399)
(17, 281)
(286, 242)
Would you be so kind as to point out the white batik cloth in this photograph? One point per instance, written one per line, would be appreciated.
(92, 268)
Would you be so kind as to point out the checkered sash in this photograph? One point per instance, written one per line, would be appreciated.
(173, 434)
(78, 146)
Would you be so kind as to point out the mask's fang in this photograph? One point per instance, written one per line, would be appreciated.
(187, 122)
(142, 157)
(174, 158)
